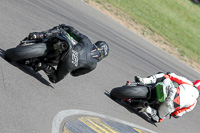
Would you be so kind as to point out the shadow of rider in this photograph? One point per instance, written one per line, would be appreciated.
(27, 70)
(131, 109)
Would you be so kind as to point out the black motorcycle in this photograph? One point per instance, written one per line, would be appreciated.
(49, 51)
(139, 95)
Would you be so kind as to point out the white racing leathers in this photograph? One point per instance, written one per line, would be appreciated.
(182, 96)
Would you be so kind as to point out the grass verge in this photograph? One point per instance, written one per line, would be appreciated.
(173, 23)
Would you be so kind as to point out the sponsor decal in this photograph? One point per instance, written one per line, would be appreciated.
(75, 58)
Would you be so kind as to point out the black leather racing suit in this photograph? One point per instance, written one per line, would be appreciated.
(78, 61)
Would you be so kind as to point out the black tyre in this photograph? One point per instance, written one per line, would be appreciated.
(129, 92)
(24, 52)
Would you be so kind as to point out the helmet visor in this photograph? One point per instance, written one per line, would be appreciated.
(103, 52)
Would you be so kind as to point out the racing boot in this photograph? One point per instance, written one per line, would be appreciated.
(39, 66)
(152, 113)
(51, 73)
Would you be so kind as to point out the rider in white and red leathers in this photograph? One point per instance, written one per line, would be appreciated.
(182, 95)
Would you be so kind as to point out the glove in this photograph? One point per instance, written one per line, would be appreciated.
(148, 80)
(39, 66)
(67, 28)
(138, 79)
(142, 80)
(64, 26)
(36, 35)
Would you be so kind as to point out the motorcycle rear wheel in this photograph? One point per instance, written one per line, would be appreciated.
(129, 92)
(24, 52)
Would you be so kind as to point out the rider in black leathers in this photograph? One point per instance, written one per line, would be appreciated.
(81, 58)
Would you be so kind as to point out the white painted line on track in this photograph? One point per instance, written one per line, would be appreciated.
(61, 116)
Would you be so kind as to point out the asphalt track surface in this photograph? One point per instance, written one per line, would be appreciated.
(29, 102)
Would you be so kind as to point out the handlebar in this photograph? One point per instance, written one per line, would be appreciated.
(27, 41)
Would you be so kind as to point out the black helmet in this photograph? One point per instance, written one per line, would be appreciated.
(100, 50)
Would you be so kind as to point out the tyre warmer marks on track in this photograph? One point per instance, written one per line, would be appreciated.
(93, 123)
